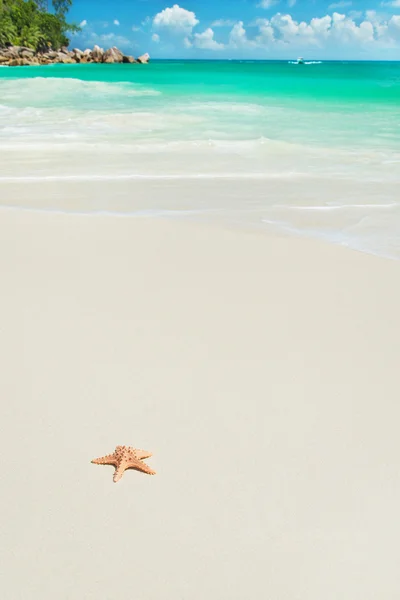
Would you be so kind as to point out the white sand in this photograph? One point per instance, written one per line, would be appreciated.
(263, 374)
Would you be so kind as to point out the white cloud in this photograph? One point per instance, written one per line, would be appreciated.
(206, 40)
(116, 22)
(223, 23)
(267, 3)
(176, 19)
(395, 3)
(291, 3)
(340, 4)
(334, 31)
(345, 30)
(266, 35)
(393, 28)
(329, 33)
(135, 28)
(321, 26)
(238, 37)
(380, 26)
(83, 23)
(288, 29)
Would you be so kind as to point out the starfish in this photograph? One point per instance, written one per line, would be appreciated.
(125, 457)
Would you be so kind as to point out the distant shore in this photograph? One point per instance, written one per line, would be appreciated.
(22, 56)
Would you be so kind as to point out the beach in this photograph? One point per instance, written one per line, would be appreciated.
(261, 371)
(200, 259)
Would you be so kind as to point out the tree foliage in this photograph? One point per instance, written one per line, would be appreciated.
(8, 31)
(61, 7)
(28, 23)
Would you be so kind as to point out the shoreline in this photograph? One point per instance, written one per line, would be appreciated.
(301, 209)
(201, 218)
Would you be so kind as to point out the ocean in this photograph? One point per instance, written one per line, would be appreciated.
(311, 150)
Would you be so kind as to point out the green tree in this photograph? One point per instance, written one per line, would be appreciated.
(28, 23)
(8, 32)
(61, 7)
(30, 36)
(43, 5)
(23, 14)
(52, 30)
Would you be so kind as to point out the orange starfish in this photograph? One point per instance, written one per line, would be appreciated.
(124, 458)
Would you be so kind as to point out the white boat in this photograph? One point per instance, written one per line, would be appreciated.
(300, 61)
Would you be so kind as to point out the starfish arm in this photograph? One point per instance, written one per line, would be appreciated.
(139, 465)
(141, 454)
(120, 470)
(105, 460)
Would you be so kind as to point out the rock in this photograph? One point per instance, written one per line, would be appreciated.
(22, 55)
(23, 62)
(52, 55)
(26, 53)
(25, 50)
(11, 52)
(144, 59)
(65, 60)
(128, 59)
(16, 62)
(77, 55)
(113, 55)
(97, 54)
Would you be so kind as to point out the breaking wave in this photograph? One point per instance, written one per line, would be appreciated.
(48, 92)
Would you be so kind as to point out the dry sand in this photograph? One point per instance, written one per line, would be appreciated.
(262, 372)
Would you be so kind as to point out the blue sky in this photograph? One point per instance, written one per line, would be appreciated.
(268, 29)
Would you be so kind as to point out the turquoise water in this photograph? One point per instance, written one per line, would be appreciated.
(322, 103)
(330, 81)
(326, 126)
